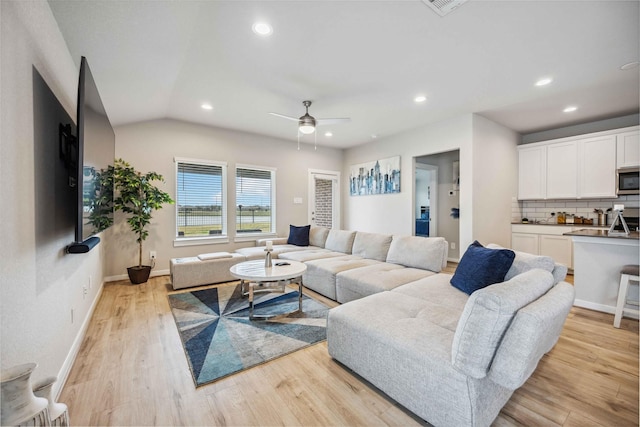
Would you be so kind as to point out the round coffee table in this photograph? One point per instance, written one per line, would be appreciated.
(257, 278)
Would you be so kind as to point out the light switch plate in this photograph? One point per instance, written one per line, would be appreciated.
(297, 200)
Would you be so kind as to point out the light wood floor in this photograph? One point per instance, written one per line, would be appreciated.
(131, 370)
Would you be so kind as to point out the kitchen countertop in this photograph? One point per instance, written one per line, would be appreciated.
(561, 225)
(634, 235)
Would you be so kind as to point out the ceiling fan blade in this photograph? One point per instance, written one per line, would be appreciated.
(336, 121)
(285, 117)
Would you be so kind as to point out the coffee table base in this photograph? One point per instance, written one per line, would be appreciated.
(267, 287)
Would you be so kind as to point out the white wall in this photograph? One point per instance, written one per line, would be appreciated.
(40, 285)
(495, 180)
(393, 213)
(485, 192)
(152, 146)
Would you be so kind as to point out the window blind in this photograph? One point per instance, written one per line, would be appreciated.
(200, 200)
(254, 193)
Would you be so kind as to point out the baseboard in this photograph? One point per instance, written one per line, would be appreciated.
(63, 374)
(126, 277)
(629, 312)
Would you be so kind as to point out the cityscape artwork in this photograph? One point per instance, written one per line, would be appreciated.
(376, 177)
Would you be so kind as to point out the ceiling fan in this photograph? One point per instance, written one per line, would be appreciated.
(307, 123)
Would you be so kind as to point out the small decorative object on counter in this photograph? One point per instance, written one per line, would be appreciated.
(602, 217)
(569, 218)
(562, 218)
(587, 221)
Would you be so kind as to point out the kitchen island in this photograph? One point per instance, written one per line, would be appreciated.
(597, 260)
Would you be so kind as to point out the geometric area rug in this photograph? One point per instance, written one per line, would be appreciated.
(219, 339)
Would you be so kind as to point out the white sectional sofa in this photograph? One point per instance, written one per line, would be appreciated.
(451, 358)
(345, 265)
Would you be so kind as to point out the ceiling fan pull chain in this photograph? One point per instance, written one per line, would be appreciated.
(315, 141)
(298, 140)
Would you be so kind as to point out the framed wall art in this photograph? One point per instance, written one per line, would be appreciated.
(376, 177)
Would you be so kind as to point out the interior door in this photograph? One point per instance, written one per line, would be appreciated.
(324, 199)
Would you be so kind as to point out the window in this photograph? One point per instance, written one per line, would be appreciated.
(255, 200)
(201, 199)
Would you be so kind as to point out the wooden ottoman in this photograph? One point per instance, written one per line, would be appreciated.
(203, 269)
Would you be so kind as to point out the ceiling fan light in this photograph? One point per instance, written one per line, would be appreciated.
(306, 129)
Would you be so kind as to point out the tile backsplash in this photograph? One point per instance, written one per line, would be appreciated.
(540, 210)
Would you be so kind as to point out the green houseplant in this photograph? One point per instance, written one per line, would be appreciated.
(122, 188)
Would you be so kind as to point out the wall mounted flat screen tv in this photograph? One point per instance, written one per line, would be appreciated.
(95, 151)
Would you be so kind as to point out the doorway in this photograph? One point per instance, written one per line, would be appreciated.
(426, 197)
(446, 194)
(324, 198)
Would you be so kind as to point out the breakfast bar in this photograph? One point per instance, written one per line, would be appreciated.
(598, 259)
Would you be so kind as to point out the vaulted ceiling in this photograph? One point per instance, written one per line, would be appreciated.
(366, 60)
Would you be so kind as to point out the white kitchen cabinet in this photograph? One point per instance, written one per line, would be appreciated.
(628, 149)
(524, 242)
(560, 248)
(532, 170)
(577, 167)
(545, 240)
(597, 167)
(562, 170)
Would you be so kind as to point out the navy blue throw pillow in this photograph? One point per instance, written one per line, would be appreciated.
(299, 236)
(481, 267)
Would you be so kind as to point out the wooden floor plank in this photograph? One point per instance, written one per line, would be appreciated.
(131, 370)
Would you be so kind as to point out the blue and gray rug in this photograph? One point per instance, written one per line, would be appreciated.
(219, 339)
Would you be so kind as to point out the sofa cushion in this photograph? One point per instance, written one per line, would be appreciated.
(214, 255)
(318, 236)
(321, 273)
(340, 241)
(481, 267)
(361, 282)
(310, 254)
(427, 253)
(486, 316)
(533, 332)
(525, 261)
(371, 245)
(299, 236)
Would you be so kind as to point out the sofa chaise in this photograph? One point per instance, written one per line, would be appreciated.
(451, 358)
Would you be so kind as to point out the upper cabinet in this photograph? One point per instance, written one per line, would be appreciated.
(562, 170)
(628, 149)
(532, 172)
(576, 167)
(597, 167)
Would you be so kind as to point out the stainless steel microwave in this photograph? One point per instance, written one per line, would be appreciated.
(628, 181)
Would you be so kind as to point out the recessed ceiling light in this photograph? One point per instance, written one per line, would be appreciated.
(328, 134)
(207, 106)
(544, 81)
(420, 98)
(570, 109)
(262, 29)
(630, 65)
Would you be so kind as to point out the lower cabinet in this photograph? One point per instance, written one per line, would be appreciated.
(560, 248)
(545, 240)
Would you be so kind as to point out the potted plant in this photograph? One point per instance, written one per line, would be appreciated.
(133, 193)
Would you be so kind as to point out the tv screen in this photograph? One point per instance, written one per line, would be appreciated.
(96, 148)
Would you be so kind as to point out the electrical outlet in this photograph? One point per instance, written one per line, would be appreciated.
(72, 316)
(84, 291)
(90, 282)
(152, 254)
(453, 245)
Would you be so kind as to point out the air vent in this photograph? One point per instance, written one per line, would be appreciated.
(443, 7)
